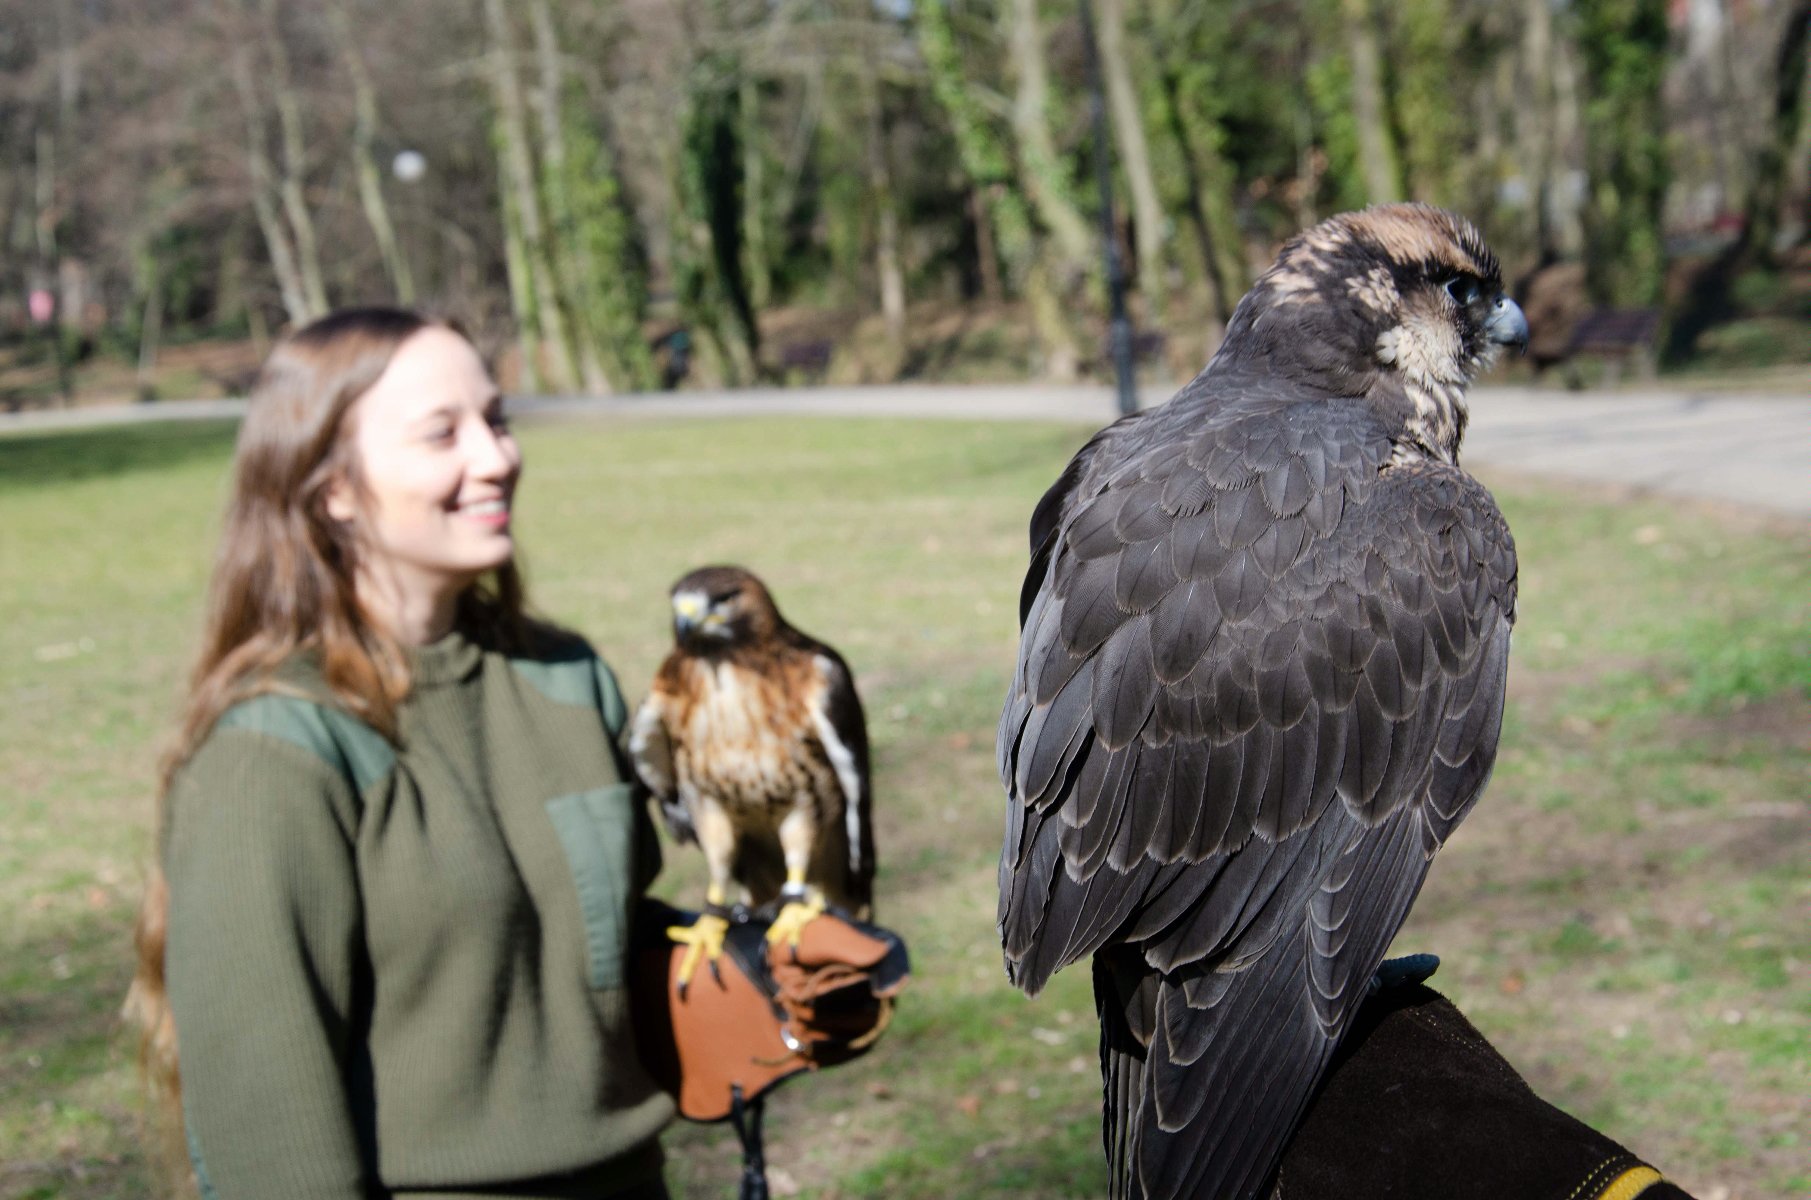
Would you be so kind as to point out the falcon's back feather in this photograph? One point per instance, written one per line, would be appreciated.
(1260, 680)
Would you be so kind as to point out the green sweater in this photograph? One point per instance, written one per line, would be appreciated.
(399, 969)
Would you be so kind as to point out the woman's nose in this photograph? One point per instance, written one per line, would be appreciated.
(493, 453)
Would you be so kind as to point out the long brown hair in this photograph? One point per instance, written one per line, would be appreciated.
(282, 586)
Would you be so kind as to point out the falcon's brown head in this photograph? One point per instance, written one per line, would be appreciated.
(1400, 299)
(717, 607)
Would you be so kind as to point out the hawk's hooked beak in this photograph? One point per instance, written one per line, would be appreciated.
(688, 610)
(1506, 326)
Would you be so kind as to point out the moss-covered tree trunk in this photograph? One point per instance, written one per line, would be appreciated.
(1377, 152)
(1624, 45)
(1148, 226)
(1041, 173)
(532, 264)
(573, 273)
(985, 160)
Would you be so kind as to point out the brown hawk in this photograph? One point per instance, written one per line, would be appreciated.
(753, 739)
(1265, 633)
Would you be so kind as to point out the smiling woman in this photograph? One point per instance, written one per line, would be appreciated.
(434, 468)
(399, 847)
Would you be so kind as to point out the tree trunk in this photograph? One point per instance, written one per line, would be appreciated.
(1531, 107)
(1544, 101)
(1376, 143)
(713, 291)
(755, 262)
(987, 255)
(364, 157)
(1134, 158)
(1795, 187)
(1565, 198)
(1784, 136)
(1212, 281)
(572, 271)
(263, 191)
(516, 163)
(1004, 213)
(521, 288)
(150, 329)
(295, 163)
(1041, 173)
(886, 214)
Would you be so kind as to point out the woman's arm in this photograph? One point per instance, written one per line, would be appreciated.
(264, 961)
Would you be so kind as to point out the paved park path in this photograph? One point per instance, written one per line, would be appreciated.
(1750, 449)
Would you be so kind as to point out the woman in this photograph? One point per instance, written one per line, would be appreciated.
(399, 853)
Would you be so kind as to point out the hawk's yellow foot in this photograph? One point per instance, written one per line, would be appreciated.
(794, 915)
(703, 940)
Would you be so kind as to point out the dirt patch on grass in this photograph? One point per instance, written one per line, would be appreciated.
(1775, 724)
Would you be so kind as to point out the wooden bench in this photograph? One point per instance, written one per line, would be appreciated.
(1617, 335)
(1150, 345)
(810, 359)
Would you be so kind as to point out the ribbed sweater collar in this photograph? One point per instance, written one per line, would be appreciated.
(452, 659)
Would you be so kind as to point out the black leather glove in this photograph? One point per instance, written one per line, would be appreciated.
(1419, 1106)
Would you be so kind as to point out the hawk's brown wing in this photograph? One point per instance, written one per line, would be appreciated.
(1260, 679)
(843, 731)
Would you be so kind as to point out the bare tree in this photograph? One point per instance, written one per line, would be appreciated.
(364, 157)
(294, 148)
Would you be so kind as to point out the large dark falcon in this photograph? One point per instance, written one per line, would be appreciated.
(752, 737)
(1260, 680)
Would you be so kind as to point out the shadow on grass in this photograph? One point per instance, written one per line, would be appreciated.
(67, 456)
(67, 1119)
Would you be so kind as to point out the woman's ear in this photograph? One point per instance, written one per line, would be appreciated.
(342, 500)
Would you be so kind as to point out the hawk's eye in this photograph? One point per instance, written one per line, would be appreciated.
(1463, 289)
(725, 597)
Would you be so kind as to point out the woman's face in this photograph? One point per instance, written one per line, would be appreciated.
(437, 467)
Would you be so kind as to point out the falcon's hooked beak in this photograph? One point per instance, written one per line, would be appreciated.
(689, 609)
(1506, 326)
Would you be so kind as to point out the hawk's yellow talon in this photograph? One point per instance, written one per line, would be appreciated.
(792, 919)
(703, 941)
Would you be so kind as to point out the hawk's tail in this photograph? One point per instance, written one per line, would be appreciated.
(1191, 1115)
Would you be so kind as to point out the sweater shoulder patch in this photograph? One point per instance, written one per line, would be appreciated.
(343, 742)
(566, 674)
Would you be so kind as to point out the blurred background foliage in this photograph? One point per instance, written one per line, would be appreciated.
(617, 194)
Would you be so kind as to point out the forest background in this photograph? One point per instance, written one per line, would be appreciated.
(620, 194)
(782, 191)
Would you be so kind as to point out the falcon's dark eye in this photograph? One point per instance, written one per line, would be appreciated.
(1464, 290)
(725, 597)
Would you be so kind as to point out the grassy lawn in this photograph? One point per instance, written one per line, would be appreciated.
(1628, 913)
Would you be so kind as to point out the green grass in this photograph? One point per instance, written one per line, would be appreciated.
(1626, 914)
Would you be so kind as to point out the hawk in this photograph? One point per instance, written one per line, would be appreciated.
(753, 739)
(1264, 639)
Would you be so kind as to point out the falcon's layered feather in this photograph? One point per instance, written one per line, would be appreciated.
(1260, 680)
(752, 736)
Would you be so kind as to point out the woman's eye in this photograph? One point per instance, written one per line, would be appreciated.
(498, 422)
(437, 433)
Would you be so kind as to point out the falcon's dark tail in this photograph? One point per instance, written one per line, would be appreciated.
(1230, 1104)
